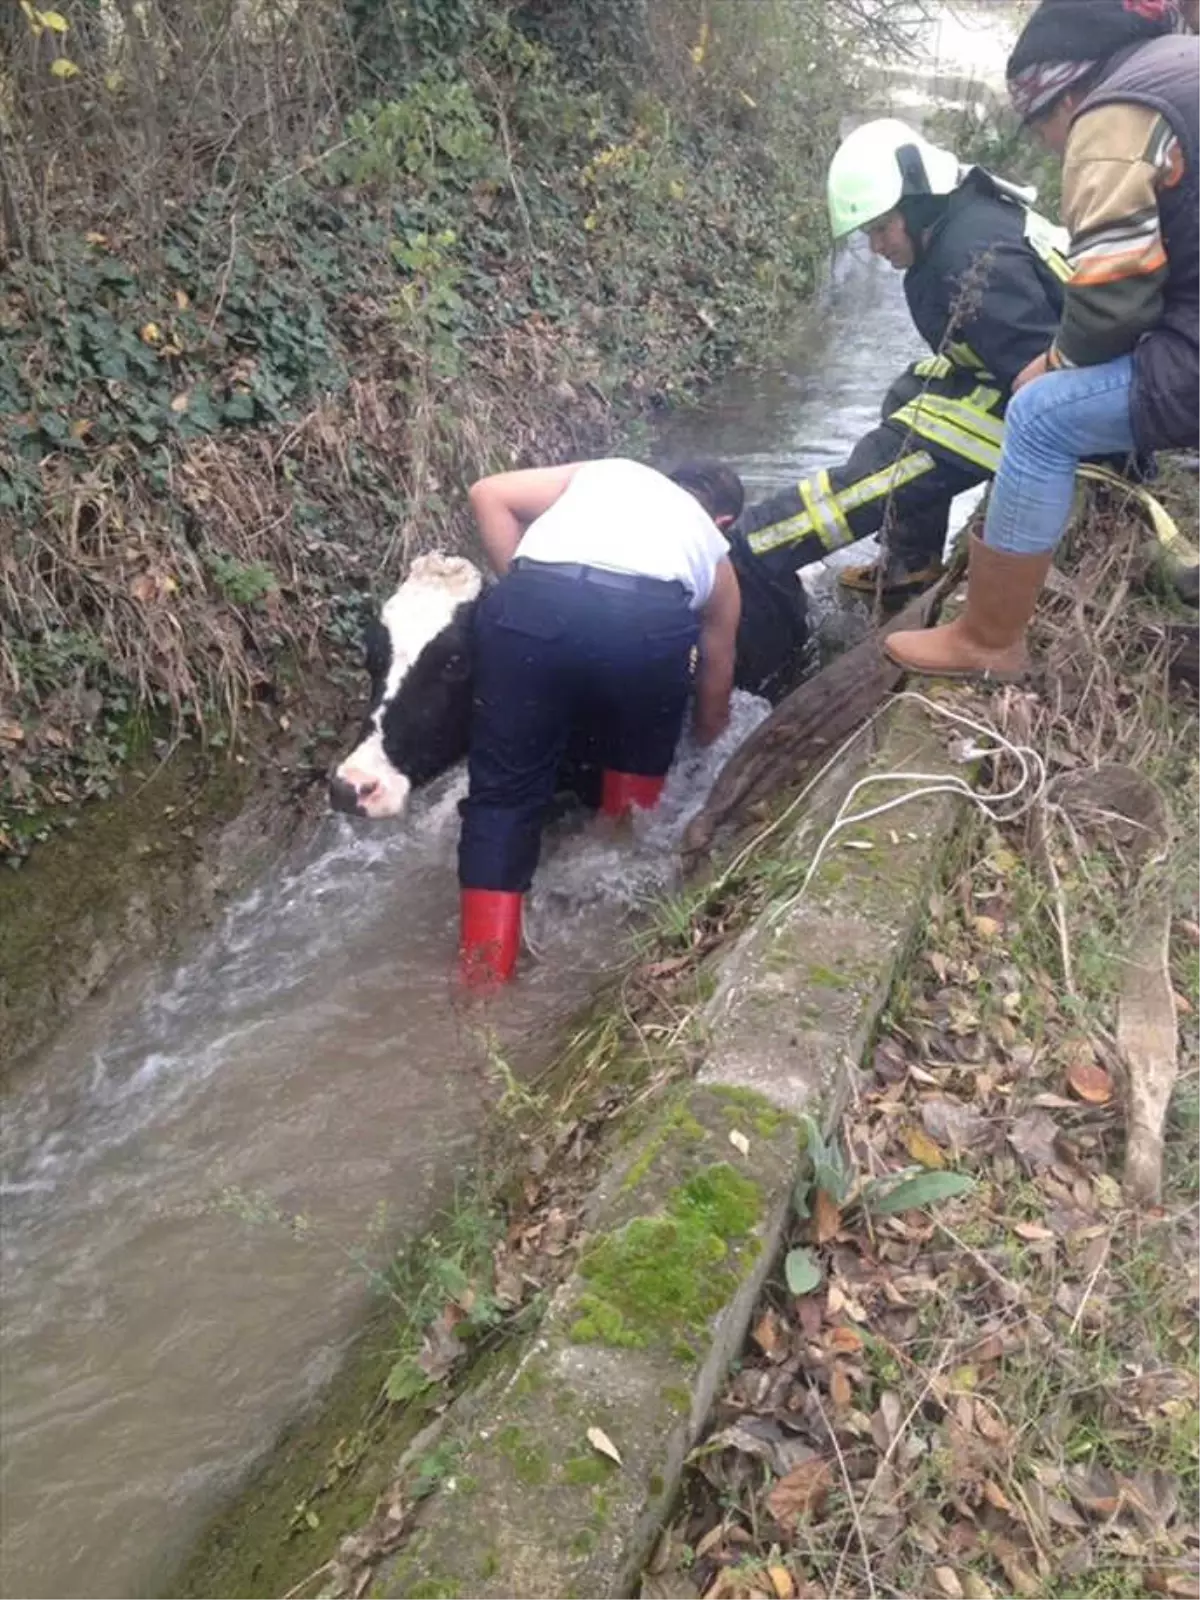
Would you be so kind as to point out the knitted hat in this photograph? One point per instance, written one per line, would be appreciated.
(1065, 40)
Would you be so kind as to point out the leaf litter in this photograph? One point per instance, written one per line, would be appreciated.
(974, 1372)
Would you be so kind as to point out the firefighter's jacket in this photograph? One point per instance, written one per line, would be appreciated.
(986, 295)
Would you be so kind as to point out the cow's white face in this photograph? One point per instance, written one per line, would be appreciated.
(418, 655)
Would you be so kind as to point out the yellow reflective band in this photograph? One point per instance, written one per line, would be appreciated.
(933, 367)
(981, 398)
(901, 471)
(1166, 529)
(928, 424)
(777, 534)
(973, 413)
(842, 533)
(963, 356)
(820, 525)
(1059, 266)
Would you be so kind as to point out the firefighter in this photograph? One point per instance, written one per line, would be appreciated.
(1112, 88)
(983, 276)
(617, 599)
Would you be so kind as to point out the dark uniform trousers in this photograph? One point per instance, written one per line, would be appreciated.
(566, 654)
(940, 433)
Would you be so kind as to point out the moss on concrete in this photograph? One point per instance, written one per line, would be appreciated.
(660, 1276)
(588, 1470)
(526, 1456)
(763, 1117)
(116, 882)
(680, 1124)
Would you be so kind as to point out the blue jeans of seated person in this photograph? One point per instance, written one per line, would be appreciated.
(1051, 425)
(556, 658)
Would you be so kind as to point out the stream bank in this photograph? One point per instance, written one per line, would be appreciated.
(249, 1109)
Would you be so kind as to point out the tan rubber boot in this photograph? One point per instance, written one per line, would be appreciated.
(988, 639)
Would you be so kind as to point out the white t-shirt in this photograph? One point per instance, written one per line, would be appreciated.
(625, 517)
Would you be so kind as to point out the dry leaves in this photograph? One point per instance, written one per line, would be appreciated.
(946, 1348)
(801, 1493)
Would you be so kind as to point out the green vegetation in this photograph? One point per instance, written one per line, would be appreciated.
(281, 281)
(662, 1277)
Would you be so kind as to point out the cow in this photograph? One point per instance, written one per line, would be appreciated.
(418, 657)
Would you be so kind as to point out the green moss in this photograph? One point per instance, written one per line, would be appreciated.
(599, 1322)
(434, 1589)
(827, 978)
(660, 1277)
(656, 1484)
(587, 1470)
(677, 1397)
(583, 1543)
(726, 1202)
(679, 1124)
(529, 1461)
(753, 1107)
(489, 1566)
(530, 1381)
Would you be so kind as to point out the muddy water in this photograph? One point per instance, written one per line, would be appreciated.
(190, 1172)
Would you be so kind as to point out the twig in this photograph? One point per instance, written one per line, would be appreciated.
(502, 121)
(293, 1594)
(312, 161)
(225, 272)
(1089, 1286)
(858, 1527)
(1059, 914)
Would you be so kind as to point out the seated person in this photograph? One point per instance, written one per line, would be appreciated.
(984, 283)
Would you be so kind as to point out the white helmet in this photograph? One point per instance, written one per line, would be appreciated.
(877, 165)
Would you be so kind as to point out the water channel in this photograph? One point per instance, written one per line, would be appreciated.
(309, 1059)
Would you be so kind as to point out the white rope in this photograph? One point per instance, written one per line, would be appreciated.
(1004, 807)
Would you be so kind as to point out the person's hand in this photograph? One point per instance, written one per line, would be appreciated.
(1036, 368)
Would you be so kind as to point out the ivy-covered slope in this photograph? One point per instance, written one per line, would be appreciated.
(228, 428)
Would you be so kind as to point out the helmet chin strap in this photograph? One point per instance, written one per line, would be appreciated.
(921, 213)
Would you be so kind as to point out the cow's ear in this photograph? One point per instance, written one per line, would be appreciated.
(377, 649)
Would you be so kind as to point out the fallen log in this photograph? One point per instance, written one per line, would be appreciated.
(818, 715)
(808, 724)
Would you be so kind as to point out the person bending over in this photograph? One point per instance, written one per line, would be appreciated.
(983, 277)
(616, 602)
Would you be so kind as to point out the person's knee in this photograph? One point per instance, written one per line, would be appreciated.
(1029, 424)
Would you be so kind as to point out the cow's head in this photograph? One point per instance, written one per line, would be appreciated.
(419, 658)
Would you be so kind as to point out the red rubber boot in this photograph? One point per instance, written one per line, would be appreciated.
(624, 790)
(490, 937)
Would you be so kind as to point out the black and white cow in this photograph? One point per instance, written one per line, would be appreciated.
(419, 661)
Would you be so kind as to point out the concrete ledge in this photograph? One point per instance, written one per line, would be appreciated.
(800, 994)
(684, 1226)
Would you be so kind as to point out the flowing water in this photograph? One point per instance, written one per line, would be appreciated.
(310, 1060)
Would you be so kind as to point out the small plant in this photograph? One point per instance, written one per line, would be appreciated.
(244, 583)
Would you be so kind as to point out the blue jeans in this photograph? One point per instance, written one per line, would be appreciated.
(1051, 424)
